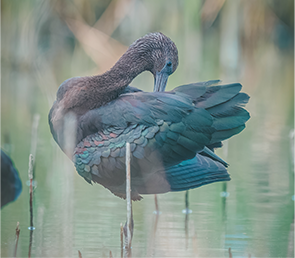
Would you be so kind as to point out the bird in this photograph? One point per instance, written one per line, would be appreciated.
(11, 185)
(154, 52)
(172, 134)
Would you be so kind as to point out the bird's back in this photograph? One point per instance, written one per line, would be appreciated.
(171, 136)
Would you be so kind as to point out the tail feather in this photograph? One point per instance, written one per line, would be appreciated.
(195, 172)
(196, 184)
(195, 90)
(229, 107)
(222, 135)
(209, 153)
(216, 95)
(225, 104)
(231, 121)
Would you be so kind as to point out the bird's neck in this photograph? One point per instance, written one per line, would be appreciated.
(123, 72)
(112, 83)
(92, 92)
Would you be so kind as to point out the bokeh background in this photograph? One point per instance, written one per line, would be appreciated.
(44, 42)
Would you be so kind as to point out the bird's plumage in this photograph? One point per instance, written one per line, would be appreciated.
(172, 134)
(168, 132)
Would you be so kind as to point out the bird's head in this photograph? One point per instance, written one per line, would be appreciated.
(161, 56)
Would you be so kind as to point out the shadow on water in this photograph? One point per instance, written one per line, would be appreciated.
(153, 234)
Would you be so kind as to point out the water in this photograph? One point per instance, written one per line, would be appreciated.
(253, 214)
(256, 218)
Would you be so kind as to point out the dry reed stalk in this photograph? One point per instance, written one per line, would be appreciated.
(34, 134)
(229, 252)
(30, 173)
(31, 228)
(121, 238)
(128, 196)
(292, 146)
(17, 231)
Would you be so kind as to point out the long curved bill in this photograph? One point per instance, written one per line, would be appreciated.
(160, 81)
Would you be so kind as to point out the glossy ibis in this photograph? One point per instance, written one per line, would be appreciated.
(172, 134)
(11, 185)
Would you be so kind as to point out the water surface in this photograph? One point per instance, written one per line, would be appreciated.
(257, 216)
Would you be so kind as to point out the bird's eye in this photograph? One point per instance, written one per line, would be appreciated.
(169, 64)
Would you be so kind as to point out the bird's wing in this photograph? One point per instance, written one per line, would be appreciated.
(181, 117)
(224, 103)
(194, 173)
(163, 129)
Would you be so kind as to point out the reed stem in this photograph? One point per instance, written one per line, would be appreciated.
(128, 196)
(17, 231)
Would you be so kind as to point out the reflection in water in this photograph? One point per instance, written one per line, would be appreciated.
(77, 218)
(186, 211)
(122, 239)
(186, 230)
(128, 235)
(291, 240)
(127, 252)
(157, 210)
(153, 236)
(238, 242)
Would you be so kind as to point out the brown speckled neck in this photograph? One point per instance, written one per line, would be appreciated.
(150, 52)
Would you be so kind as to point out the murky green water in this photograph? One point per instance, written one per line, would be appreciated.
(257, 218)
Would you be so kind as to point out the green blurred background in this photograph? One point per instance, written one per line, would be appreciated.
(45, 42)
